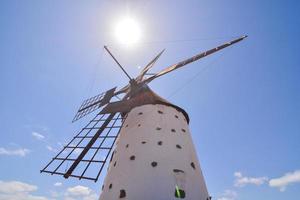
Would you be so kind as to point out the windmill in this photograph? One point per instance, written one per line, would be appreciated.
(148, 138)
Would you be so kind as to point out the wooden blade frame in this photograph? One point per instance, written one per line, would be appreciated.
(106, 48)
(149, 66)
(193, 59)
(94, 103)
(85, 155)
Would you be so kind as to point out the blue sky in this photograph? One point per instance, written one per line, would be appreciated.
(244, 102)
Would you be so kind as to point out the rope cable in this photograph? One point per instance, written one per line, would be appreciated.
(95, 70)
(174, 41)
(203, 69)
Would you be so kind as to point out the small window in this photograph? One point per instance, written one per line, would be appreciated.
(132, 157)
(178, 170)
(159, 143)
(122, 194)
(176, 116)
(158, 128)
(183, 130)
(112, 156)
(139, 125)
(180, 180)
(160, 112)
(115, 163)
(179, 193)
(173, 130)
(110, 186)
(154, 164)
(126, 125)
(178, 146)
(127, 145)
(102, 187)
(143, 142)
(193, 165)
(140, 113)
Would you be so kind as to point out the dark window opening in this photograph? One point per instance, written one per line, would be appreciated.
(102, 187)
(112, 156)
(159, 142)
(178, 170)
(183, 130)
(173, 130)
(132, 157)
(158, 128)
(193, 165)
(160, 112)
(154, 164)
(139, 125)
(179, 193)
(127, 145)
(126, 125)
(178, 146)
(115, 163)
(110, 186)
(143, 142)
(122, 194)
(176, 116)
(140, 113)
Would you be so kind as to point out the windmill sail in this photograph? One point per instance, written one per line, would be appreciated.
(192, 59)
(85, 155)
(94, 103)
(148, 67)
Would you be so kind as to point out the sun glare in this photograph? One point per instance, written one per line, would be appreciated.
(127, 31)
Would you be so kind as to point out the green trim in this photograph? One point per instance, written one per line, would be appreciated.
(177, 191)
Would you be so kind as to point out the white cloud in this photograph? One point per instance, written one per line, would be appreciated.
(16, 186)
(228, 195)
(21, 196)
(80, 192)
(37, 135)
(58, 184)
(16, 190)
(241, 180)
(50, 148)
(14, 152)
(285, 180)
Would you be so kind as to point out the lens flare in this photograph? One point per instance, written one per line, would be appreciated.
(127, 31)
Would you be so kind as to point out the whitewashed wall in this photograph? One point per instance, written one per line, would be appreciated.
(154, 134)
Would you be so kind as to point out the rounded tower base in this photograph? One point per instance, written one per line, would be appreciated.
(154, 158)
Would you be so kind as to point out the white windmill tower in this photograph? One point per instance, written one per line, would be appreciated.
(153, 156)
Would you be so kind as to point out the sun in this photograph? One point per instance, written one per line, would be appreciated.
(127, 31)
